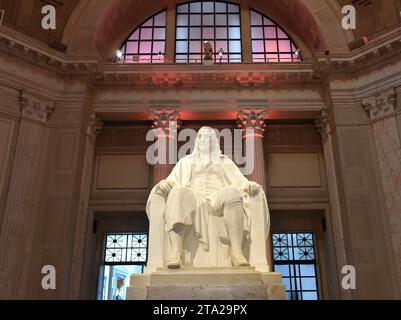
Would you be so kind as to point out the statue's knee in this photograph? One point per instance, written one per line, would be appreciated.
(230, 195)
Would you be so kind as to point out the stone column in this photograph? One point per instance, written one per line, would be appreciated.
(323, 126)
(166, 123)
(381, 110)
(92, 131)
(253, 123)
(256, 121)
(23, 197)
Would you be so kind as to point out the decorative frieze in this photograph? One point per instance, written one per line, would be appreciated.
(35, 109)
(165, 121)
(380, 106)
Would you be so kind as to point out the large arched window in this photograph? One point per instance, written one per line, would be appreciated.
(213, 21)
(270, 43)
(147, 43)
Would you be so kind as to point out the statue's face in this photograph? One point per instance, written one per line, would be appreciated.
(206, 140)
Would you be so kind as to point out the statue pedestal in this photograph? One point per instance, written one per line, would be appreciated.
(243, 283)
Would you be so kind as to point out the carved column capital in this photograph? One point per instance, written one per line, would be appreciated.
(94, 126)
(166, 121)
(322, 124)
(253, 119)
(381, 105)
(35, 109)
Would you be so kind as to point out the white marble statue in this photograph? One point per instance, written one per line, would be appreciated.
(207, 214)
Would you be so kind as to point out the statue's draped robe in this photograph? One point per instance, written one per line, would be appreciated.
(207, 243)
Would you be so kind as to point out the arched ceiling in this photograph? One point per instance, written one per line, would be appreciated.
(92, 27)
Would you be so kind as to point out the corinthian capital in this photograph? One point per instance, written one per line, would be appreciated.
(252, 119)
(36, 109)
(322, 124)
(94, 126)
(165, 121)
(381, 105)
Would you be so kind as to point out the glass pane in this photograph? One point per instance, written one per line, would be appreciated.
(208, 33)
(234, 33)
(268, 22)
(285, 57)
(221, 7)
(233, 20)
(145, 47)
(195, 58)
(158, 46)
(270, 32)
(221, 45)
(208, 7)
(134, 36)
(221, 33)
(237, 58)
(146, 34)
(256, 19)
(309, 296)
(183, 8)
(284, 45)
(208, 20)
(181, 58)
(257, 33)
(182, 46)
(195, 33)
(258, 46)
(272, 57)
(258, 58)
(159, 33)
(271, 46)
(132, 47)
(307, 270)
(308, 283)
(221, 20)
(148, 23)
(182, 20)
(160, 19)
(182, 33)
(233, 8)
(235, 46)
(195, 46)
(196, 7)
(281, 34)
(195, 20)
(283, 269)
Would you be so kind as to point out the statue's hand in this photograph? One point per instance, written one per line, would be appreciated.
(251, 188)
(164, 187)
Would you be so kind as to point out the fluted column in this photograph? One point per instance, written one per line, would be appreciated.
(93, 129)
(335, 218)
(255, 120)
(253, 123)
(23, 197)
(381, 110)
(165, 122)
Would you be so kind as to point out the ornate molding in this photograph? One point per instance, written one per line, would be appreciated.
(322, 124)
(35, 109)
(165, 121)
(253, 119)
(94, 127)
(380, 106)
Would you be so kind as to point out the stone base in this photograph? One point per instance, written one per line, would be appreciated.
(243, 283)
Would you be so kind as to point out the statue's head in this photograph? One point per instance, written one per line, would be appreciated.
(206, 141)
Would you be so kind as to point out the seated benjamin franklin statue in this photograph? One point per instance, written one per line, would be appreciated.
(207, 214)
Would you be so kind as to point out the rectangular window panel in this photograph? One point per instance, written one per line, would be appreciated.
(236, 58)
(145, 47)
(208, 20)
(256, 19)
(270, 32)
(134, 36)
(233, 20)
(294, 257)
(182, 33)
(221, 20)
(146, 34)
(158, 46)
(284, 46)
(195, 33)
(211, 21)
(257, 33)
(258, 46)
(159, 34)
(208, 7)
(281, 34)
(132, 46)
(182, 20)
(272, 57)
(182, 8)
(271, 46)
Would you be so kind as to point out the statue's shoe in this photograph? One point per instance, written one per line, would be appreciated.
(239, 261)
(175, 261)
